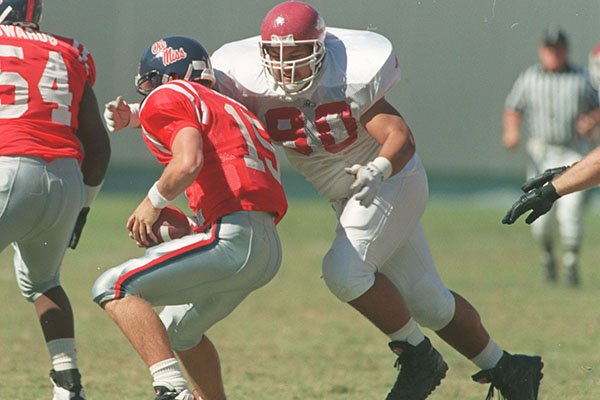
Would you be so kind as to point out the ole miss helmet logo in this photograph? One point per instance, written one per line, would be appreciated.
(169, 55)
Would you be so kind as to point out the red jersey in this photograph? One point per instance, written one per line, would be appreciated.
(240, 170)
(42, 78)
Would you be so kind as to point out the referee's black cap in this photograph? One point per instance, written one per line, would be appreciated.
(554, 36)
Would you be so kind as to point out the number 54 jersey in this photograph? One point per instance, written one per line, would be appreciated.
(42, 78)
(239, 172)
(319, 128)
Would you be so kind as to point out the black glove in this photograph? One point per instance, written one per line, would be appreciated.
(538, 200)
(79, 224)
(541, 179)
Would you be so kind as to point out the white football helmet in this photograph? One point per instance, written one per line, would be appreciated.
(289, 24)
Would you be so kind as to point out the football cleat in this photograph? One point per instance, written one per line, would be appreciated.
(516, 377)
(164, 391)
(421, 370)
(67, 385)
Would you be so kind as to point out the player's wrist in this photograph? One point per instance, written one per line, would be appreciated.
(549, 192)
(156, 197)
(384, 165)
(90, 194)
(134, 116)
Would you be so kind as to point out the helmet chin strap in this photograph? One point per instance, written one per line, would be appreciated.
(4, 14)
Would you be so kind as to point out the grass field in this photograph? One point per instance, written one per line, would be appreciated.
(294, 340)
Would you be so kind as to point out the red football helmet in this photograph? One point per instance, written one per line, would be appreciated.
(594, 65)
(290, 24)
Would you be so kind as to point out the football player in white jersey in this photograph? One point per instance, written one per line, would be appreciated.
(320, 93)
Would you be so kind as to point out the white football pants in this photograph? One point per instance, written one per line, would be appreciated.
(387, 237)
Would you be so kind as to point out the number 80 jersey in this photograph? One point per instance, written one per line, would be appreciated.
(318, 128)
(42, 79)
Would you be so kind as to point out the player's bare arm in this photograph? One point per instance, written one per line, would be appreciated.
(177, 176)
(387, 126)
(583, 175)
(94, 139)
(96, 145)
(512, 122)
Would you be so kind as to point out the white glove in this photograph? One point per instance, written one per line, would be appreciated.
(368, 179)
(118, 115)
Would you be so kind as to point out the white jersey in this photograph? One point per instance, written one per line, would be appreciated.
(319, 128)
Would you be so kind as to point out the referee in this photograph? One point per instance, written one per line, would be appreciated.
(558, 107)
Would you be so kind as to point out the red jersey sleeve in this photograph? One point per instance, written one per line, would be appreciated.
(84, 57)
(164, 113)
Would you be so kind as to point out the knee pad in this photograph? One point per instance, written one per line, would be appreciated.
(346, 275)
(430, 305)
(181, 335)
(103, 288)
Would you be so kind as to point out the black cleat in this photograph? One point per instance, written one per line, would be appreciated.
(421, 370)
(516, 376)
(67, 385)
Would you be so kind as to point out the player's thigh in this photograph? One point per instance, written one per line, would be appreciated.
(39, 253)
(238, 253)
(377, 231)
(23, 197)
(413, 271)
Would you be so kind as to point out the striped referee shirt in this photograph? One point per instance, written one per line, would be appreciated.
(551, 102)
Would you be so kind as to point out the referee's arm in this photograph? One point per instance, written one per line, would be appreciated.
(512, 124)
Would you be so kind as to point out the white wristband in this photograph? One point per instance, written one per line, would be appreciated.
(90, 194)
(156, 198)
(384, 165)
(134, 116)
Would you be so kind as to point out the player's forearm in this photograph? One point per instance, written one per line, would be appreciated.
(583, 175)
(94, 167)
(177, 177)
(399, 148)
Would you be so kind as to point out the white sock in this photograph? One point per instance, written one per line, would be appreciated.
(168, 371)
(62, 354)
(489, 356)
(410, 333)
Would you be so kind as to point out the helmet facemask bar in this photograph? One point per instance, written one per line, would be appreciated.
(149, 81)
(277, 66)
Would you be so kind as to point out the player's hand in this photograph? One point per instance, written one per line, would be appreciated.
(541, 179)
(140, 224)
(117, 114)
(538, 200)
(79, 224)
(585, 124)
(367, 182)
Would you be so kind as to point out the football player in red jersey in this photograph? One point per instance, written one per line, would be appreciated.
(54, 152)
(321, 94)
(218, 152)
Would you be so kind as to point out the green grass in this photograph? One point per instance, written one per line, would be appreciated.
(294, 340)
